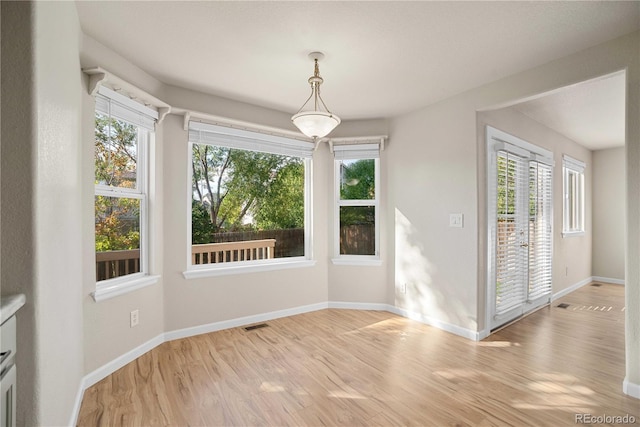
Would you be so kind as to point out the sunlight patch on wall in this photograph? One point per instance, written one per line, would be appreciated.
(413, 271)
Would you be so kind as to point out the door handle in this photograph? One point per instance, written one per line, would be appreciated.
(524, 245)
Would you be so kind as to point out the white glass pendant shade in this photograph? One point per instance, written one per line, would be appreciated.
(315, 124)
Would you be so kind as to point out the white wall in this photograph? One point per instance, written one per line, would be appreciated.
(431, 174)
(18, 150)
(609, 213)
(41, 242)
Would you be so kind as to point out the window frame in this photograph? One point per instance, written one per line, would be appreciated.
(365, 148)
(571, 166)
(144, 119)
(251, 139)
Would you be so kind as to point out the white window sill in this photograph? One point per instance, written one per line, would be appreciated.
(242, 267)
(357, 260)
(572, 233)
(110, 289)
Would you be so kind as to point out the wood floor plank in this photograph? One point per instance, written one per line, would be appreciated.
(349, 368)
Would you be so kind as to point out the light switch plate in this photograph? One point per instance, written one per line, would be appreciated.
(456, 220)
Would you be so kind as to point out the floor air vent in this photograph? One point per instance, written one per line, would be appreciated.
(597, 285)
(563, 305)
(253, 327)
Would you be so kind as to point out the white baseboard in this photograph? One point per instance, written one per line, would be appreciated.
(571, 288)
(483, 334)
(359, 306)
(242, 321)
(608, 280)
(436, 323)
(631, 389)
(119, 362)
(76, 406)
(454, 329)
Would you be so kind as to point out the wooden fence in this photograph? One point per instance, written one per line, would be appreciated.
(289, 242)
(358, 239)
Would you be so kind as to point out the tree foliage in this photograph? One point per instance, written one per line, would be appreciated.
(117, 223)
(357, 183)
(115, 152)
(117, 219)
(283, 203)
(242, 190)
(358, 179)
(200, 223)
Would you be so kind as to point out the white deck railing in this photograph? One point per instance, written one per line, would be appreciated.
(213, 253)
(112, 264)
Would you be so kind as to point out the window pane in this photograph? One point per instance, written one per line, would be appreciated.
(245, 205)
(357, 230)
(117, 236)
(357, 179)
(116, 152)
(573, 193)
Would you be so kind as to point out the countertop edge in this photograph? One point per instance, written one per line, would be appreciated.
(9, 305)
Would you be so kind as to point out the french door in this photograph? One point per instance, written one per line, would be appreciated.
(520, 227)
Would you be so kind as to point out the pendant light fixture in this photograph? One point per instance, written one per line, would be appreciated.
(315, 123)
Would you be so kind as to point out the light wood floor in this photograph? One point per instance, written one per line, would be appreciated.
(352, 368)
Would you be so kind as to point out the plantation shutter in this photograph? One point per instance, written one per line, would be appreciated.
(222, 136)
(540, 230)
(111, 103)
(511, 231)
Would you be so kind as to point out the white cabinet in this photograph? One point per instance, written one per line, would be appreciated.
(8, 349)
(8, 396)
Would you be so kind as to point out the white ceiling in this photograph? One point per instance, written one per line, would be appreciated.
(382, 58)
(590, 113)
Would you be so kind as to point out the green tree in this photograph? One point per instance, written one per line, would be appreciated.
(358, 179)
(117, 223)
(200, 224)
(245, 189)
(117, 219)
(116, 146)
(357, 183)
(283, 204)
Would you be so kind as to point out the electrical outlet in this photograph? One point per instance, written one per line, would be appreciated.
(134, 317)
(566, 271)
(403, 289)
